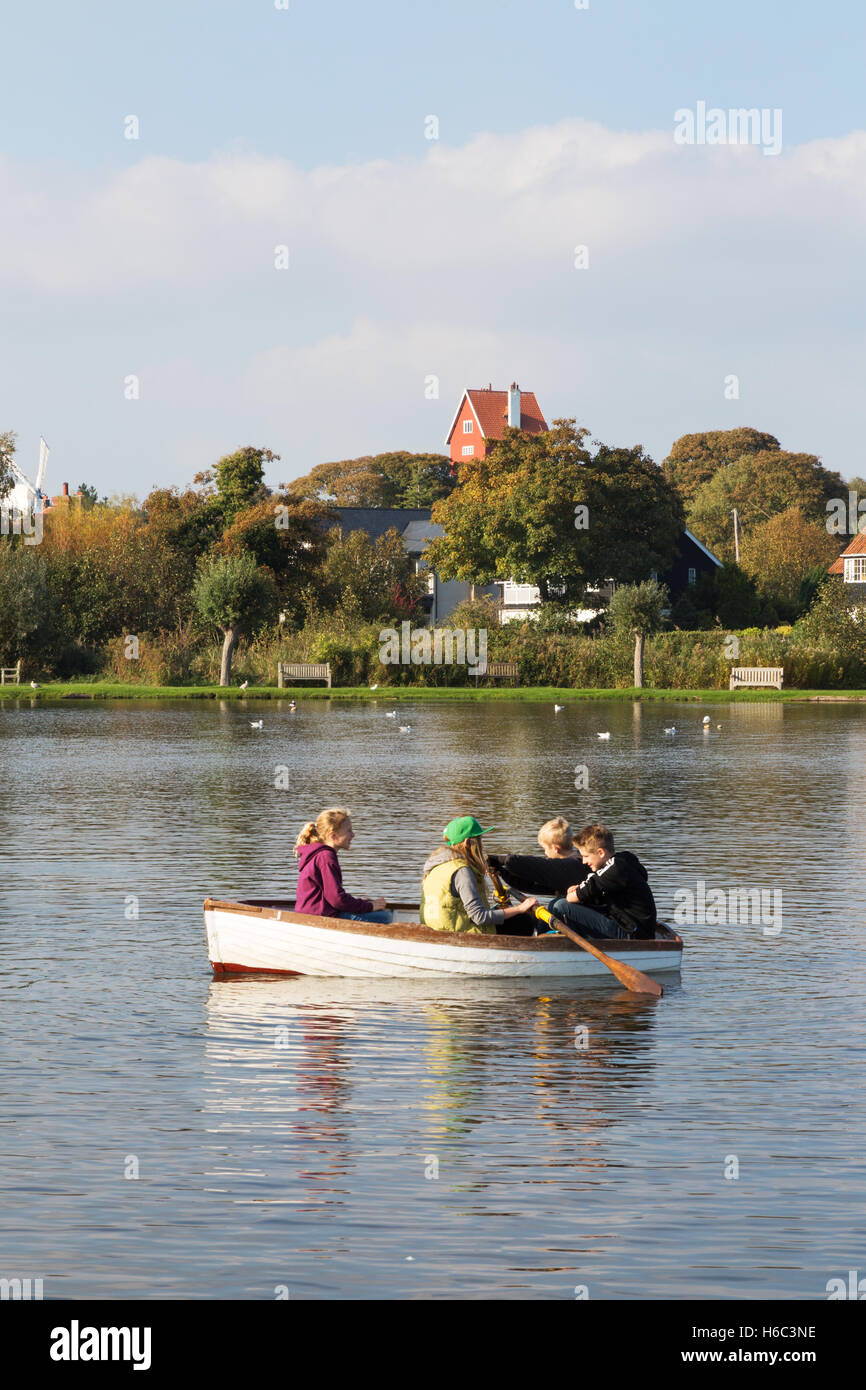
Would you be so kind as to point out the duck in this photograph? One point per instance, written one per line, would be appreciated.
(34, 685)
(257, 723)
(391, 714)
(557, 709)
(672, 730)
(405, 728)
(605, 735)
(243, 685)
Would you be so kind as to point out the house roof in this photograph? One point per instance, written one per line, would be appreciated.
(857, 547)
(709, 554)
(490, 409)
(377, 520)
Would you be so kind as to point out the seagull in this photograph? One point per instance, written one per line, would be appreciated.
(405, 728)
(244, 685)
(257, 723)
(604, 735)
(391, 714)
(292, 706)
(34, 685)
(558, 708)
(671, 731)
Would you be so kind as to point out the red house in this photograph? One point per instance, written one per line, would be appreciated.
(483, 415)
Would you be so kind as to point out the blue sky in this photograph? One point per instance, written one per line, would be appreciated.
(411, 257)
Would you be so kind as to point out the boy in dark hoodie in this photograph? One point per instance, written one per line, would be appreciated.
(614, 900)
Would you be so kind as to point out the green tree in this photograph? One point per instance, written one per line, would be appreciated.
(240, 479)
(541, 509)
(637, 609)
(372, 580)
(31, 619)
(834, 623)
(694, 458)
(398, 479)
(89, 495)
(235, 595)
(7, 455)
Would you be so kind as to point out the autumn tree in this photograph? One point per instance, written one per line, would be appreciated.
(694, 458)
(780, 553)
(759, 486)
(233, 594)
(398, 479)
(290, 537)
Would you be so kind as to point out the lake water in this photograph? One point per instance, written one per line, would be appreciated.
(433, 1139)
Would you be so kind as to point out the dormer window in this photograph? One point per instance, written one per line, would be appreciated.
(855, 569)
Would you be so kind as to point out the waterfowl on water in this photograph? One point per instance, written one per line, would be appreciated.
(607, 735)
(257, 723)
(671, 731)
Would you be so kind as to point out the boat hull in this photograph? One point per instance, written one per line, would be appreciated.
(254, 938)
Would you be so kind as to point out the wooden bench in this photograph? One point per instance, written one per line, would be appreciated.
(765, 676)
(501, 670)
(10, 674)
(303, 671)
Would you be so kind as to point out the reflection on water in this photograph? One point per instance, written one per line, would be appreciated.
(429, 1139)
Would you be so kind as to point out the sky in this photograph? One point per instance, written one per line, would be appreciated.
(428, 171)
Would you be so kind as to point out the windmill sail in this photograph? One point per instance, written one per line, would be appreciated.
(43, 464)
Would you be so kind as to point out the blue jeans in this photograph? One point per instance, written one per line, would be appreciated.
(586, 920)
(382, 914)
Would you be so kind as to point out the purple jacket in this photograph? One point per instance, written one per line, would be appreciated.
(320, 884)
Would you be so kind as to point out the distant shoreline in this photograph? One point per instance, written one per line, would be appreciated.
(77, 690)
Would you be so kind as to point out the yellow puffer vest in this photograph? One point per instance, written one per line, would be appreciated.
(439, 907)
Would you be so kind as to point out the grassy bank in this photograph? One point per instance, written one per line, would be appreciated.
(85, 690)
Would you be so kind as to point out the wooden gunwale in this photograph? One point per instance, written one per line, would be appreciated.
(407, 931)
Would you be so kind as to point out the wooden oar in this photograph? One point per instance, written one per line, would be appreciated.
(633, 979)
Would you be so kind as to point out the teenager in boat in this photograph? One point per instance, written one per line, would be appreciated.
(320, 879)
(550, 874)
(453, 892)
(614, 900)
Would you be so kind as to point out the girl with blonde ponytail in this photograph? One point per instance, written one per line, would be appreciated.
(320, 879)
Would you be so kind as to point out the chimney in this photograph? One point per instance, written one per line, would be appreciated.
(514, 405)
(65, 489)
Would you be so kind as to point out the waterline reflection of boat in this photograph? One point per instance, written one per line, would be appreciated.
(268, 936)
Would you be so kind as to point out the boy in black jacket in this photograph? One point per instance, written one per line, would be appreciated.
(614, 900)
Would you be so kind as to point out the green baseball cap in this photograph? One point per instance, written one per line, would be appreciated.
(464, 828)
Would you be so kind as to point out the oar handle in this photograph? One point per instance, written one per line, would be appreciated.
(503, 894)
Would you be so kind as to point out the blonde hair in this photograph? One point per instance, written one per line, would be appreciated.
(596, 837)
(556, 832)
(471, 853)
(323, 827)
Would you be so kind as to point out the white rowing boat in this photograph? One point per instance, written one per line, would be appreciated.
(267, 935)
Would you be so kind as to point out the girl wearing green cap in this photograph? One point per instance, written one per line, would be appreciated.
(453, 893)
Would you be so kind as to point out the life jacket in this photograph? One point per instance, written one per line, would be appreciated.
(441, 909)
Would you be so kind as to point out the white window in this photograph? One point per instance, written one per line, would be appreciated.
(693, 575)
(855, 569)
(468, 449)
(468, 426)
